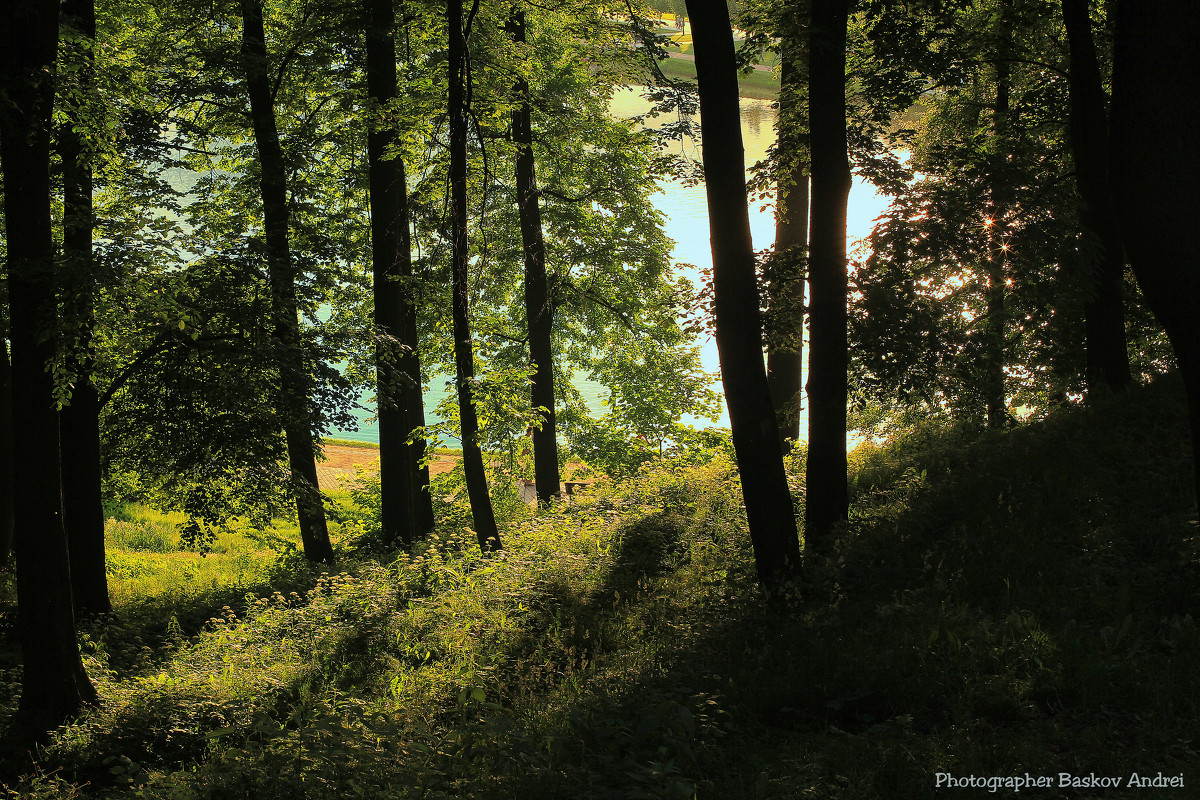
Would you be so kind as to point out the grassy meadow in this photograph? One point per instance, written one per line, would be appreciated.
(1000, 603)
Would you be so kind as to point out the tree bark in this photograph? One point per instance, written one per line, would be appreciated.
(414, 402)
(464, 358)
(79, 420)
(294, 403)
(391, 262)
(1107, 365)
(539, 312)
(827, 500)
(6, 456)
(54, 685)
(1155, 168)
(738, 322)
(785, 283)
(995, 323)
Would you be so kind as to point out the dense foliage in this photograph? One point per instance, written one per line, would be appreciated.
(233, 227)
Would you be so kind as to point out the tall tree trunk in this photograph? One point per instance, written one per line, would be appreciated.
(995, 324)
(54, 685)
(785, 283)
(464, 358)
(539, 312)
(738, 322)
(295, 401)
(410, 363)
(391, 262)
(1156, 171)
(827, 500)
(6, 456)
(80, 420)
(1104, 312)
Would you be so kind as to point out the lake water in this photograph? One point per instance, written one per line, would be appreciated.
(686, 211)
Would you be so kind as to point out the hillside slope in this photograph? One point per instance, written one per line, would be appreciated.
(1000, 604)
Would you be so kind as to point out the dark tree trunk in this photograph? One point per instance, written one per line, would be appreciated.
(539, 311)
(786, 281)
(738, 322)
(410, 363)
(6, 456)
(995, 323)
(827, 501)
(80, 420)
(294, 399)
(1104, 312)
(464, 357)
(54, 685)
(1156, 171)
(391, 262)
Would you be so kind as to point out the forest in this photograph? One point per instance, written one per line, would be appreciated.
(358, 436)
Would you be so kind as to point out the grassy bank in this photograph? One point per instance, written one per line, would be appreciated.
(359, 444)
(756, 85)
(1000, 603)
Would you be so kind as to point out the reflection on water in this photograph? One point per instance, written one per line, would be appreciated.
(685, 210)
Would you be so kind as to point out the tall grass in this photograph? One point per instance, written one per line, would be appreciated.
(998, 604)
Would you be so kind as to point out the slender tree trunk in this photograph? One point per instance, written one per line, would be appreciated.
(738, 322)
(54, 685)
(827, 500)
(6, 456)
(464, 357)
(994, 392)
(1156, 171)
(391, 262)
(414, 402)
(295, 402)
(1104, 312)
(80, 420)
(539, 311)
(786, 282)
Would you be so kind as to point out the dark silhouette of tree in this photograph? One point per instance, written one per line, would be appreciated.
(54, 685)
(1107, 364)
(464, 357)
(995, 397)
(736, 308)
(396, 359)
(539, 310)
(80, 418)
(1156, 171)
(294, 400)
(6, 456)
(826, 499)
(785, 272)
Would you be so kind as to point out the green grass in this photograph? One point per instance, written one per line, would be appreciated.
(999, 603)
(352, 443)
(146, 561)
(756, 85)
(446, 451)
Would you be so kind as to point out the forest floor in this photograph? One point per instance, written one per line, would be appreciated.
(1001, 606)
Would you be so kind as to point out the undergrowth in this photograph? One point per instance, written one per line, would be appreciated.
(999, 604)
